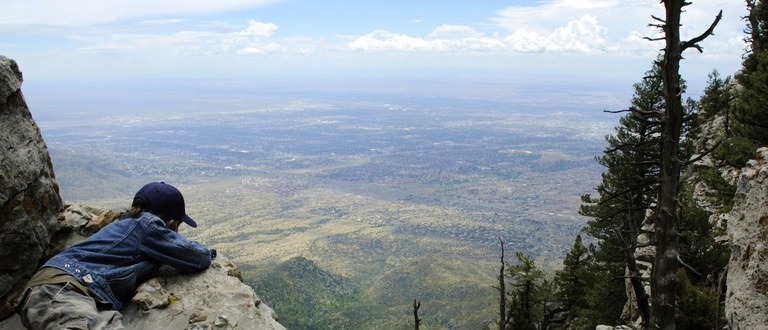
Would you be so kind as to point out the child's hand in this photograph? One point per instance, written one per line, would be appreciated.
(174, 225)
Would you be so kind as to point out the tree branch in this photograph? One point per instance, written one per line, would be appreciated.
(704, 154)
(710, 31)
(617, 111)
(679, 260)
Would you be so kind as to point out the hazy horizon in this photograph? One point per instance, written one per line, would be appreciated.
(564, 53)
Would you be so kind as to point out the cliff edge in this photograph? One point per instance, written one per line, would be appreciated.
(35, 225)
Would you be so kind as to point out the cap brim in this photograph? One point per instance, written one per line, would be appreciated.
(189, 221)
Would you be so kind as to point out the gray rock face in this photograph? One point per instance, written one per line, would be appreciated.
(747, 296)
(10, 78)
(214, 299)
(29, 196)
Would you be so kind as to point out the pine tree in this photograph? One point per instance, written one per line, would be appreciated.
(572, 279)
(716, 99)
(631, 162)
(526, 280)
(628, 188)
(750, 108)
(605, 293)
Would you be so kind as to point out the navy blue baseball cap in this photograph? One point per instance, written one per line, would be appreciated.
(164, 201)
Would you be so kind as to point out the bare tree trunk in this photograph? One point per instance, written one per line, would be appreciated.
(416, 319)
(502, 292)
(641, 297)
(664, 281)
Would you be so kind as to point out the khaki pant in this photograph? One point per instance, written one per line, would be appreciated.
(62, 306)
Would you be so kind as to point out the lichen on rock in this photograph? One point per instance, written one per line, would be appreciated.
(747, 282)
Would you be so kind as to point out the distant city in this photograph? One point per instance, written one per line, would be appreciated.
(362, 188)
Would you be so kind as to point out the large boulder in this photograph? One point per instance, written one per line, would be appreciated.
(29, 196)
(747, 283)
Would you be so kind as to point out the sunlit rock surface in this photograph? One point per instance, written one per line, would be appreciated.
(747, 295)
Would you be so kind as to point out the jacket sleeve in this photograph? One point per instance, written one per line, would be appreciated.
(171, 248)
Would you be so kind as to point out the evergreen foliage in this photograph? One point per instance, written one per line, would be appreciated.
(629, 184)
(716, 99)
(572, 279)
(750, 108)
(736, 151)
(525, 296)
(627, 190)
(606, 294)
(701, 291)
(723, 191)
(698, 307)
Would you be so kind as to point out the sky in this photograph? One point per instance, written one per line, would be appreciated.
(561, 43)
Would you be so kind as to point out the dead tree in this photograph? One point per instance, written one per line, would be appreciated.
(502, 291)
(416, 319)
(664, 282)
(641, 297)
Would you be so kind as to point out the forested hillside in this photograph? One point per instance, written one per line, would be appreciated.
(654, 253)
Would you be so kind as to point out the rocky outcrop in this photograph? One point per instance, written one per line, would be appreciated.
(29, 196)
(747, 295)
(33, 227)
(214, 299)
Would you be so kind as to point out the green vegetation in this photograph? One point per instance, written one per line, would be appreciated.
(527, 283)
(736, 150)
(306, 296)
(723, 191)
(299, 287)
(572, 282)
(751, 99)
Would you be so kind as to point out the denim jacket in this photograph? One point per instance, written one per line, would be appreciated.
(114, 260)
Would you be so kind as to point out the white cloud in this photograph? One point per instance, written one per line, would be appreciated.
(267, 48)
(385, 41)
(586, 4)
(88, 12)
(455, 31)
(168, 21)
(583, 36)
(259, 29)
(614, 26)
(525, 41)
(254, 39)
